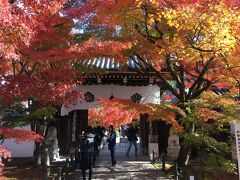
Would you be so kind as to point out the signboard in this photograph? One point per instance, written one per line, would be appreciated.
(74, 126)
(78, 122)
(237, 137)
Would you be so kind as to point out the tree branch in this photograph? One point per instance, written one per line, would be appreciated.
(23, 67)
(176, 77)
(200, 77)
(14, 67)
(200, 49)
(11, 1)
(159, 75)
(30, 72)
(200, 91)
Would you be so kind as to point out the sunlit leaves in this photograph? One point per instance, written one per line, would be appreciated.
(192, 31)
(221, 110)
(4, 154)
(19, 135)
(106, 116)
(94, 48)
(165, 112)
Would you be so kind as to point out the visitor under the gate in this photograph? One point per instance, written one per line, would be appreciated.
(98, 139)
(112, 144)
(132, 138)
(86, 155)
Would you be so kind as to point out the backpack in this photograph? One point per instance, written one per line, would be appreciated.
(84, 146)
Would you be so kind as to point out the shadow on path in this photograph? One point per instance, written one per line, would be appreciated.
(127, 168)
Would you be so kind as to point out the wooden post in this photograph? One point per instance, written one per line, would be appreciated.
(150, 131)
(153, 156)
(144, 133)
(77, 122)
(163, 162)
(62, 129)
(163, 136)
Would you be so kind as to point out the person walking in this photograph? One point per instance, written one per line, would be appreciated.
(86, 155)
(98, 140)
(132, 139)
(112, 144)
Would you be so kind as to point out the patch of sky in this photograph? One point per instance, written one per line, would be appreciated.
(80, 27)
(198, 38)
(77, 31)
(118, 30)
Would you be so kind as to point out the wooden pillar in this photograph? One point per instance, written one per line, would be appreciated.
(163, 135)
(150, 131)
(82, 118)
(62, 129)
(69, 130)
(77, 123)
(144, 133)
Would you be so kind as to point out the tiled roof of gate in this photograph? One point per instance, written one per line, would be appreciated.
(110, 64)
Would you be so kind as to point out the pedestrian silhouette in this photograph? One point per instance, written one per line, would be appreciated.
(132, 139)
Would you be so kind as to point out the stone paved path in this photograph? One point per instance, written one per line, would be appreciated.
(127, 168)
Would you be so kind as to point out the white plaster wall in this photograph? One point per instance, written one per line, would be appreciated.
(20, 150)
(150, 94)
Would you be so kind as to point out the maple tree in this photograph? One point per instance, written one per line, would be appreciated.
(19, 136)
(122, 111)
(193, 40)
(197, 42)
(4, 154)
(41, 64)
(109, 115)
(206, 113)
(40, 56)
(22, 28)
(39, 52)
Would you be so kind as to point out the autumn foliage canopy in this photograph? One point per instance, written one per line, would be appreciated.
(19, 136)
(41, 51)
(43, 44)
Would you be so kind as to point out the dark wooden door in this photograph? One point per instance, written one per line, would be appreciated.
(144, 133)
(69, 130)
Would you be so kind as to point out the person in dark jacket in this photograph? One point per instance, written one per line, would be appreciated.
(132, 139)
(112, 144)
(98, 139)
(87, 155)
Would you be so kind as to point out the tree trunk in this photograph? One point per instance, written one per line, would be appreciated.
(47, 160)
(46, 163)
(38, 153)
(184, 153)
(40, 129)
(185, 150)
